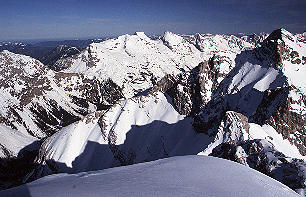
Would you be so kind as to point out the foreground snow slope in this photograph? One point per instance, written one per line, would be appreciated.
(187, 114)
(176, 176)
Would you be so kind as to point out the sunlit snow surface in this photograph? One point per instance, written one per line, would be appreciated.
(176, 176)
(13, 141)
(148, 127)
(133, 61)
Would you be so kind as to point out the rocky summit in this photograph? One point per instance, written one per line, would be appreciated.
(135, 99)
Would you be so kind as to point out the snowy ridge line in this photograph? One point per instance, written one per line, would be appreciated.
(150, 126)
(191, 109)
(169, 54)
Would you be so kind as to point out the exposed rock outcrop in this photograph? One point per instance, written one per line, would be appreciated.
(40, 102)
(54, 59)
(262, 156)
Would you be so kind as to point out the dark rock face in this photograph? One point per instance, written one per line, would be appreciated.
(291, 125)
(275, 110)
(191, 90)
(271, 101)
(275, 45)
(272, 106)
(52, 59)
(14, 169)
(262, 156)
(235, 124)
(283, 119)
(164, 84)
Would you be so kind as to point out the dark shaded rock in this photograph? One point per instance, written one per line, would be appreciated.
(62, 51)
(14, 169)
(262, 156)
(191, 90)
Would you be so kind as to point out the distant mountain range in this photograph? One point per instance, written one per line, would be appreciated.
(44, 49)
(135, 99)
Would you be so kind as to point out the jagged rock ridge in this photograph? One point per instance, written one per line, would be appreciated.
(262, 156)
(192, 108)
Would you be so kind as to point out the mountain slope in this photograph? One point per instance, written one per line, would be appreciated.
(54, 57)
(38, 101)
(266, 86)
(177, 176)
(261, 155)
(140, 129)
(13, 141)
(136, 62)
(173, 104)
(189, 113)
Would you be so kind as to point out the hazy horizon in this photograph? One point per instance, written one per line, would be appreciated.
(78, 19)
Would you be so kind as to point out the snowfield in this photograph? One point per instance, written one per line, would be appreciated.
(140, 129)
(135, 61)
(161, 98)
(176, 176)
(13, 141)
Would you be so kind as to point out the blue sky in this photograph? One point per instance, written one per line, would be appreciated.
(33, 19)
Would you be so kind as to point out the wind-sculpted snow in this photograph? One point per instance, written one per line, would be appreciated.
(139, 129)
(176, 176)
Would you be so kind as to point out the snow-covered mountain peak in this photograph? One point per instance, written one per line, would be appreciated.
(212, 44)
(289, 56)
(184, 94)
(284, 46)
(12, 64)
(35, 100)
(281, 34)
(135, 62)
(141, 35)
(172, 39)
